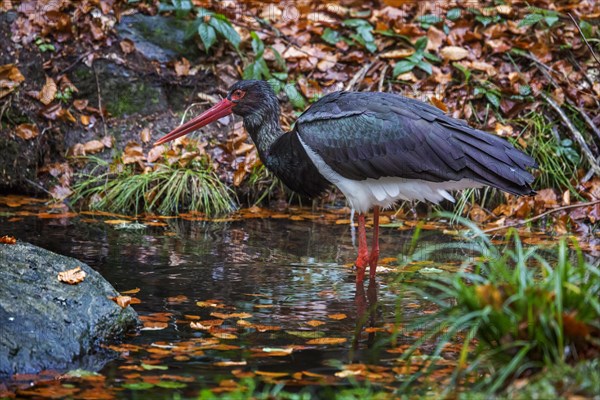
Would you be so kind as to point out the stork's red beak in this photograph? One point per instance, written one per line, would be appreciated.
(219, 110)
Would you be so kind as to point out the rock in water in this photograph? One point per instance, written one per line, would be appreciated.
(47, 324)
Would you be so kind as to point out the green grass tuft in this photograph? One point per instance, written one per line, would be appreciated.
(518, 310)
(169, 189)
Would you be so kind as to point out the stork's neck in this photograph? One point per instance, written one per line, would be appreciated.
(264, 128)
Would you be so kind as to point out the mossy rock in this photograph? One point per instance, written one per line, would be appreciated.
(47, 324)
(160, 38)
(122, 92)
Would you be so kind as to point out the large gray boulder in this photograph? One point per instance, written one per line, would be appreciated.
(47, 324)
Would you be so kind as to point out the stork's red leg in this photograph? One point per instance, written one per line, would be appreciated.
(363, 252)
(375, 246)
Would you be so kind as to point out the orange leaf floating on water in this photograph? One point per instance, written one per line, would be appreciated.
(209, 303)
(271, 374)
(72, 276)
(338, 317)
(265, 328)
(155, 223)
(229, 363)
(27, 131)
(45, 215)
(224, 335)
(205, 325)
(327, 341)
(131, 291)
(313, 375)
(177, 299)
(8, 240)
(315, 323)
(154, 326)
(116, 221)
(233, 315)
(122, 301)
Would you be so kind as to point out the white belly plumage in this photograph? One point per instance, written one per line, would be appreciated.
(384, 192)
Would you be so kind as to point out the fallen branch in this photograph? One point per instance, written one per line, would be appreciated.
(576, 134)
(589, 203)
(100, 101)
(545, 70)
(360, 74)
(584, 38)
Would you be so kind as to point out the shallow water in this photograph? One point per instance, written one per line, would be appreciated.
(284, 273)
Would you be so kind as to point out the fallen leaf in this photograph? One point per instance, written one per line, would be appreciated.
(315, 323)
(327, 340)
(338, 317)
(439, 104)
(8, 240)
(233, 315)
(122, 301)
(395, 54)
(229, 363)
(155, 153)
(132, 153)
(93, 146)
(453, 53)
(182, 68)
(116, 221)
(27, 131)
(145, 135)
(271, 374)
(72, 276)
(127, 46)
(48, 92)
(503, 130)
(80, 104)
(224, 335)
(10, 79)
(154, 325)
(176, 299)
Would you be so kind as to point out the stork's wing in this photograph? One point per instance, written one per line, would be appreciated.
(364, 135)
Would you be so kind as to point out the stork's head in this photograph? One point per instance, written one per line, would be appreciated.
(248, 99)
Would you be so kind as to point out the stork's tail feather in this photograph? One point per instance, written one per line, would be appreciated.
(495, 162)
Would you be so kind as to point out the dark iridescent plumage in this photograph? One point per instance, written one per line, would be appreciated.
(375, 147)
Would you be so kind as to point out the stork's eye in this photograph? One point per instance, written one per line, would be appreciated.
(237, 94)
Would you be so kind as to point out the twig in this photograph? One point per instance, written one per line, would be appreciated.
(544, 69)
(37, 186)
(584, 38)
(576, 134)
(358, 76)
(100, 101)
(84, 55)
(589, 203)
(382, 79)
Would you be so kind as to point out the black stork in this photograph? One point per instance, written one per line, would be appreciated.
(376, 148)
